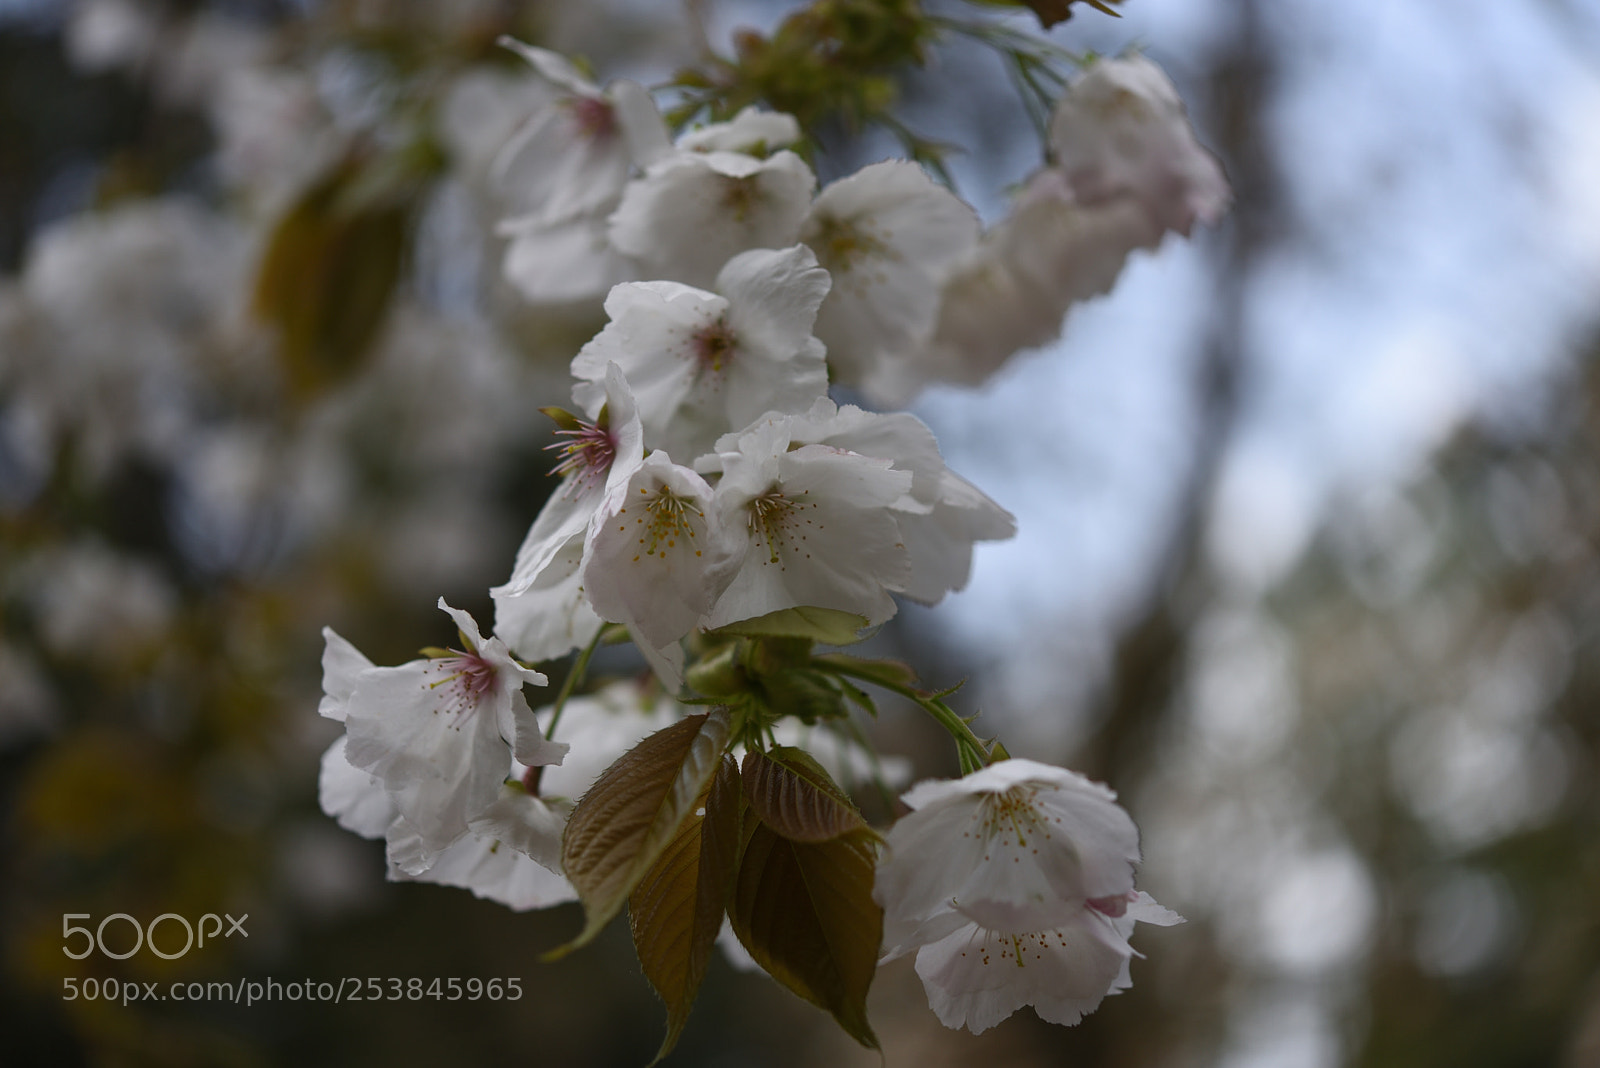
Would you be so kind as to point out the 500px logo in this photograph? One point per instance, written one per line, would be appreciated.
(146, 935)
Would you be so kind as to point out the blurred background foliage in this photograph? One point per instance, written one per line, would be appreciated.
(258, 375)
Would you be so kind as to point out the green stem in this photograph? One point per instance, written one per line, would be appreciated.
(971, 750)
(580, 667)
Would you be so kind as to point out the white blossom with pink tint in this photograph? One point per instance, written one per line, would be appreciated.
(717, 194)
(702, 363)
(540, 611)
(1017, 846)
(888, 235)
(814, 524)
(439, 733)
(573, 156)
(977, 976)
(1121, 131)
(561, 175)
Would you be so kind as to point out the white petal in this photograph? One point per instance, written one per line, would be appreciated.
(495, 871)
(819, 529)
(690, 213)
(656, 558)
(748, 131)
(975, 978)
(438, 752)
(528, 824)
(342, 663)
(569, 261)
(353, 797)
(552, 616)
(888, 234)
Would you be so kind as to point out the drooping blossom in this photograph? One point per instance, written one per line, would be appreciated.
(814, 527)
(977, 976)
(561, 175)
(541, 611)
(1014, 885)
(1121, 130)
(701, 363)
(723, 190)
(888, 234)
(1126, 169)
(1016, 846)
(438, 733)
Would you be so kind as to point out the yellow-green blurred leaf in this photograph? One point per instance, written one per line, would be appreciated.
(327, 276)
(633, 810)
(825, 625)
(676, 910)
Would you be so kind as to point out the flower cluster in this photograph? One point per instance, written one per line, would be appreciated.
(1014, 885)
(722, 510)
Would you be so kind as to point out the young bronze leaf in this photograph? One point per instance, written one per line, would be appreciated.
(795, 797)
(676, 910)
(805, 912)
(632, 811)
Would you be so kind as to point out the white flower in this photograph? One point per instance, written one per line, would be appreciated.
(701, 364)
(353, 797)
(511, 854)
(1016, 847)
(439, 733)
(656, 557)
(573, 156)
(541, 611)
(943, 514)
(1120, 130)
(888, 235)
(975, 977)
(568, 261)
(816, 526)
(692, 211)
(562, 175)
(753, 132)
(1013, 289)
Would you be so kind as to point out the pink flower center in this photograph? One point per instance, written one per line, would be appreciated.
(713, 345)
(586, 455)
(1114, 906)
(595, 119)
(468, 678)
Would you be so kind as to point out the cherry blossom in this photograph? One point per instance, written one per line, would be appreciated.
(1017, 846)
(816, 527)
(697, 207)
(541, 610)
(701, 363)
(439, 733)
(976, 976)
(657, 557)
(888, 234)
(1120, 130)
